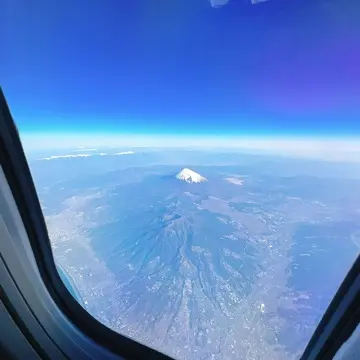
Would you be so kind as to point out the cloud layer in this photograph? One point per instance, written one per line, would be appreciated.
(336, 148)
(65, 156)
(53, 157)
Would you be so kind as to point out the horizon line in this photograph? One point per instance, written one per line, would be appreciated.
(327, 148)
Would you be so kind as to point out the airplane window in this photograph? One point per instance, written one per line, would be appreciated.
(197, 163)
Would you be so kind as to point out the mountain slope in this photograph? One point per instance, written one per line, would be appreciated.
(190, 176)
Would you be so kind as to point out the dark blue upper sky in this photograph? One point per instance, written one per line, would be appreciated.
(181, 66)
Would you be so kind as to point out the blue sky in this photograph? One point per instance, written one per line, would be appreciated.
(181, 67)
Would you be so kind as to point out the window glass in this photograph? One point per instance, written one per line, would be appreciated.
(197, 163)
(351, 348)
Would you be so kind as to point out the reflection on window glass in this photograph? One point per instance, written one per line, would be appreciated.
(69, 283)
(350, 350)
(197, 164)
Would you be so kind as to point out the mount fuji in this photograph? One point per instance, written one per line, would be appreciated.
(190, 176)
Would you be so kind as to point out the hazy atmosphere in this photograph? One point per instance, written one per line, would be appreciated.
(202, 254)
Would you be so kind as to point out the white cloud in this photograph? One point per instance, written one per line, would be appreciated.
(83, 155)
(235, 181)
(125, 153)
(65, 156)
(81, 148)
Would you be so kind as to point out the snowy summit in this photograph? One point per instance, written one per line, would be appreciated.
(190, 176)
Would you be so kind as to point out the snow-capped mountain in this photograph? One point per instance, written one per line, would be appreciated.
(190, 176)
